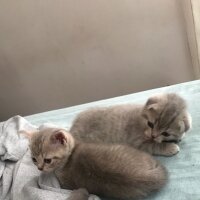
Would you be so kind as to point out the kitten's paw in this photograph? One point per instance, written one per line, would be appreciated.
(79, 194)
(171, 149)
(94, 197)
(81, 191)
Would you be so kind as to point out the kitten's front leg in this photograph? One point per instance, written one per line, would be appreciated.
(79, 194)
(160, 149)
(166, 149)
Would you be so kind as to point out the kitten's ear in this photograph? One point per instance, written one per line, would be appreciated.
(152, 103)
(59, 137)
(27, 134)
(187, 119)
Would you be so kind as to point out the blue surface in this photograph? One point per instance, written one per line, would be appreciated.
(184, 168)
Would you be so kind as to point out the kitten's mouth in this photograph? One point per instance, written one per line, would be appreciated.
(172, 141)
(47, 170)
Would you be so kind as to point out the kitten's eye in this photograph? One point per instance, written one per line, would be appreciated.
(34, 160)
(47, 160)
(165, 134)
(151, 125)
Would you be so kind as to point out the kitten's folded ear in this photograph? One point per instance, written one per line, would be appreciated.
(152, 103)
(187, 119)
(27, 134)
(59, 137)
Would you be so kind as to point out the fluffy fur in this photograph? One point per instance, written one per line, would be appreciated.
(164, 118)
(116, 171)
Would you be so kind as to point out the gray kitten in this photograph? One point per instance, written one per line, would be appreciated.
(115, 171)
(154, 127)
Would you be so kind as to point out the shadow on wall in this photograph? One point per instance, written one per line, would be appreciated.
(58, 54)
(15, 100)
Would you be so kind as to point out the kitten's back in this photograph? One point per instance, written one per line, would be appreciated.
(107, 124)
(113, 171)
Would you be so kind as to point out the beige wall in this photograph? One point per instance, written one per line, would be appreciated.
(55, 54)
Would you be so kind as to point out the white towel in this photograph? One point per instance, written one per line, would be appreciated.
(19, 178)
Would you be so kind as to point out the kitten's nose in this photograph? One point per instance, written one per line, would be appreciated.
(153, 135)
(40, 168)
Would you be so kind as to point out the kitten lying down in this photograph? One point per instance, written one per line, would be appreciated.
(154, 127)
(116, 171)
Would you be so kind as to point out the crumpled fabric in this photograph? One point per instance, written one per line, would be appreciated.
(19, 178)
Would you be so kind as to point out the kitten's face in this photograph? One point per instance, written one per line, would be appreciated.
(50, 148)
(167, 118)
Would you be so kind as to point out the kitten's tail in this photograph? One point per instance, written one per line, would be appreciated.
(149, 181)
(156, 177)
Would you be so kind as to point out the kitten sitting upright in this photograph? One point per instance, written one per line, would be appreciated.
(164, 118)
(115, 171)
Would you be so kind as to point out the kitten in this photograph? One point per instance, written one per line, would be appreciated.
(115, 171)
(164, 118)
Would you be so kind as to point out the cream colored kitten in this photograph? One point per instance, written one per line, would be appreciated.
(154, 127)
(116, 171)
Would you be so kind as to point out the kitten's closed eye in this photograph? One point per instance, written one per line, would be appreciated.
(47, 160)
(165, 134)
(150, 124)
